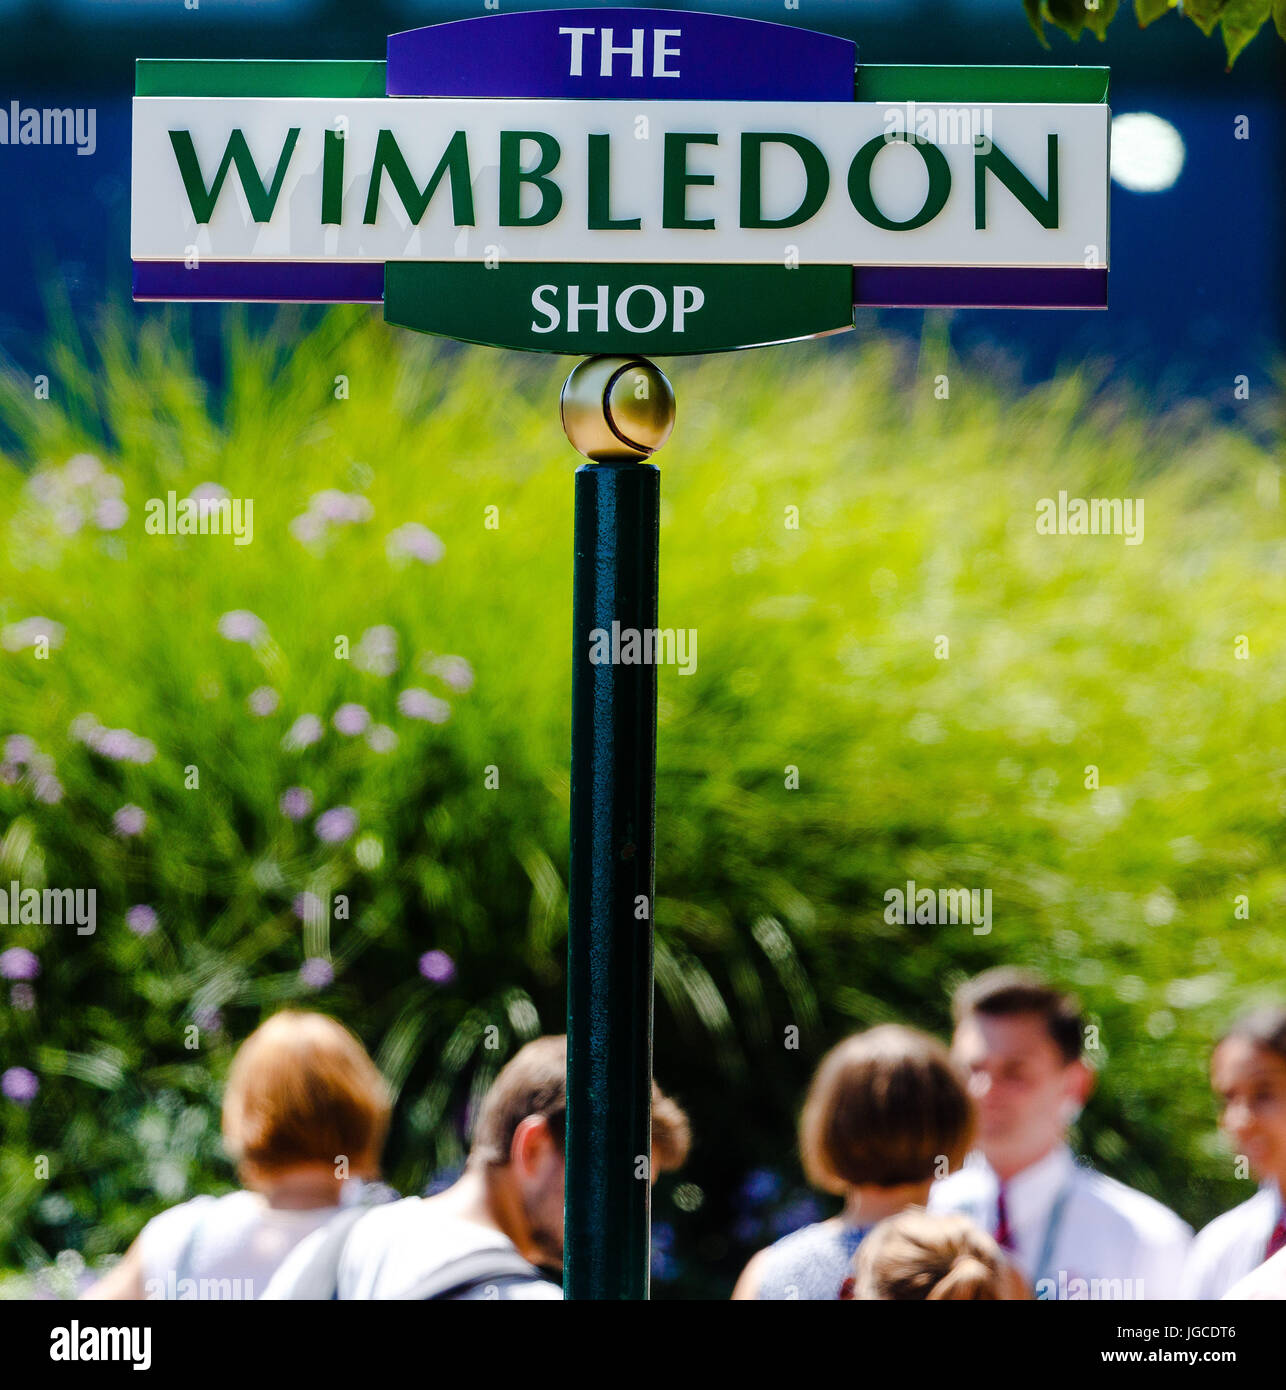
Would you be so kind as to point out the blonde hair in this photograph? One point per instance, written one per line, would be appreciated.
(303, 1090)
(933, 1257)
(885, 1108)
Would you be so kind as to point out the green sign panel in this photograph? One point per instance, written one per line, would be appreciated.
(618, 308)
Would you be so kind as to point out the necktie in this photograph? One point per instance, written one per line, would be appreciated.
(1004, 1236)
(1277, 1240)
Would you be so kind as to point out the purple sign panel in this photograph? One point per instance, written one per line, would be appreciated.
(621, 53)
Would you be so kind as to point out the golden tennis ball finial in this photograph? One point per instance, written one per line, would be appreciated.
(617, 409)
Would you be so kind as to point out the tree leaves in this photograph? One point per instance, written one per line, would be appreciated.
(1148, 11)
(1238, 20)
(1204, 13)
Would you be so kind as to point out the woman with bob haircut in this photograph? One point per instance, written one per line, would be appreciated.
(886, 1114)
(304, 1111)
(932, 1257)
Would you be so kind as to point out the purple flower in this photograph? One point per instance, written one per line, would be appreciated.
(129, 820)
(263, 701)
(208, 1020)
(23, 997)
(207, 496)
(376, 652)
(141, 919)
(308, 528)
(18, 963)
(115, 744)
(26, 634)
(296, 803)
(308, 907)
(381, 739)
(416, 703)
(10, 774)
(18, 748)
(240, 625)
(19, 1085)
(316, 973)
(351, 719)
(83, 728)
(438, 967)
(761, 1186)
(48, 789)
(303, 733)
(82, 470)
(336, 825)
(415, 542)
(111, 514)
(343, 507)
(455, 671)
(69, 518)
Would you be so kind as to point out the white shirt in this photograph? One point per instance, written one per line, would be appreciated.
(221, 1247)
(1094, 1237)
(1268, 1281)
(395, 1246)
(1232, 1245)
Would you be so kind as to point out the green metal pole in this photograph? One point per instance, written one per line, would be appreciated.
(613, 816)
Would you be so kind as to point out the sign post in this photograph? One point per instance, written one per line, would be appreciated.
(617, 411)
(607, 183)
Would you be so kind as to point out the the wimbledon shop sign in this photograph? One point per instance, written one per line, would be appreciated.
(620, 180)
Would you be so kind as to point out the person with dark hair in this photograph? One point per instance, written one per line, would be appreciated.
(885, 1114)
(1248, 1074)
(497, 1232)
(1072, 1232)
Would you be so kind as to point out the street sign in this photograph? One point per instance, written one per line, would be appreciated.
(620, 181)
(612, 183)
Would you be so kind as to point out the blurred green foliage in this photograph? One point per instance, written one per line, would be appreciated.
(1238, 21)
(816, 652)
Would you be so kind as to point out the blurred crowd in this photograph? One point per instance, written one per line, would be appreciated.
(953, 1166)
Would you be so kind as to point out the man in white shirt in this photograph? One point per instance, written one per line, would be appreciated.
(1073, 1233)
(492, 1233)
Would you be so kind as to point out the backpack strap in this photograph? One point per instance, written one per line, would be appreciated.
(459, 1276)
(185, 1263)
(320, 1277)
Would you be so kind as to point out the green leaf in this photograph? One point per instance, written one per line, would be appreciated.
(1148, 11)
(1069, 15)
(1240, 21)
(1279, 16)
(1204, 13)
(1037, 23)
(1099, 15)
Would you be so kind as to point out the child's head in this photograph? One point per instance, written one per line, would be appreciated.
(885, 1109)
(928, 1256)
(303, 1092)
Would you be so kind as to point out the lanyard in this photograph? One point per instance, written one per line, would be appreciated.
(1052, 1228)
(1051, 1233)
